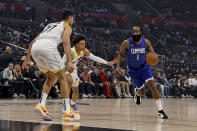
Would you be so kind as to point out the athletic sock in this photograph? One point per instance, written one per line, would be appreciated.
(43, 99)
(159, 105)
(72, 102)
(66, 103)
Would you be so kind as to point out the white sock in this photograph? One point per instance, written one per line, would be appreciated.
(43, 99)
(159, 105)
(137, 92)
(66, 103)
(72, 102)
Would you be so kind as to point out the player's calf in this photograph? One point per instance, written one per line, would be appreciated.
(155, 93)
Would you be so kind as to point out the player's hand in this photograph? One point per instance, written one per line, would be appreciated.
(26, 62)
(111, 63)
(70, 67)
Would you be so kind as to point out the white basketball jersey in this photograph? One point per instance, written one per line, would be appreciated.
(76, 58)
(54, 32)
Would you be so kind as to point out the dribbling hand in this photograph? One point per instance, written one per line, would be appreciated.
(70, 67)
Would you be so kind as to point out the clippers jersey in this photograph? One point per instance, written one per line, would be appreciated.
(54, 32)
(138, 69)
(136, 54)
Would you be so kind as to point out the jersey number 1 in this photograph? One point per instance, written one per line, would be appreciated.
(137, 57)
(48, 28)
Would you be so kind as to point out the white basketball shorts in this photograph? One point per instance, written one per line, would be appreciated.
(46, 56)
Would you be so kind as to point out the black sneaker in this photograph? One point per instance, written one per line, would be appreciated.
(137, 98)
(161, 114)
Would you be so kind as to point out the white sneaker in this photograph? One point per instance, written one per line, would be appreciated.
(126, 96)
(130, 95)
(15, 95)
(90, 96)
(103, 96)
(84, 96)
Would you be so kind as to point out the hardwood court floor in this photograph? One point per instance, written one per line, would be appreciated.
(111, 113)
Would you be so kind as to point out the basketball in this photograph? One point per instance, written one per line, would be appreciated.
(152, 59)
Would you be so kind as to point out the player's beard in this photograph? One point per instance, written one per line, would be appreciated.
(136, 38)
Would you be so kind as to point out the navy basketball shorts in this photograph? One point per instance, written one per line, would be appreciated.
(141, 75)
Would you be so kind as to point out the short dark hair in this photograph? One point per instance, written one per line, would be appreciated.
(66, 14)
(10, 63)
(78, 38)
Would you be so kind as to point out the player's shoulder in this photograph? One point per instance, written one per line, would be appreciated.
(125, 43)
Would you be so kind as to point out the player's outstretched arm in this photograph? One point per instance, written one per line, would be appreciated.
(123, 48)
(67, 46)
(27, 58)
(98, 59)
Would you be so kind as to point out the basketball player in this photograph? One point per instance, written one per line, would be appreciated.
(44, 51)
(136, 49)
(77, 52)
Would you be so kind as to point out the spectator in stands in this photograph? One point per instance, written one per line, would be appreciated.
(173, 86)
(160, 84)
(166, 85)
(38, 79)
(183, 90)
(110, 79)
(108, 90)
(124, 84)
(27, 73)
(98, 85)
(86, 88)
(193, 84)
(19, 79)
(116, 85)
(8, 75)
(6, 58)
(187, 87)
(191, 80)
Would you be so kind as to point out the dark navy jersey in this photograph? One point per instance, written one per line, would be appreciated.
(136, 54)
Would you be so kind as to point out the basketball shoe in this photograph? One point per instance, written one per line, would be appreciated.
(137, 98)
(43, 112)
(161, 114)
(75, 108)
(70, 117)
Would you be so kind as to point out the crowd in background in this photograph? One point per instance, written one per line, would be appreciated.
(176, 9)
(104, 36)
(17, 9)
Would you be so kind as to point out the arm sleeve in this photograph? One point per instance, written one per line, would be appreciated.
(97, 59)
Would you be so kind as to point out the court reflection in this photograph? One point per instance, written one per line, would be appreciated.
(70, 126)
(6, 125)
(66, 126)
